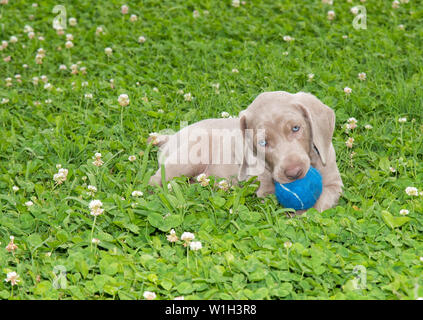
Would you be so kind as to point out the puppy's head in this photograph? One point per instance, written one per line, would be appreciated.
(287, 129)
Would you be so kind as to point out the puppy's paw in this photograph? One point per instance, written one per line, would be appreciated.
(155, 181)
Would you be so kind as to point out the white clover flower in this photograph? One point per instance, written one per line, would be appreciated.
(72, 22)
(354, 10)
(411, 191)
(15, 188)
(74, 68)
(108, 51)
(402, 120)
(123, 100)
(61, 176)
(223, 185)
(310, 77)
(13, 39)
(13, 278)
(225, 114)
(368, 126)
(99, 30)
(188, 96)
(149, 295)
(154, 136)
(187, 236)
(352, 123)
(235, 3)
(98, 162)
(41, 52)
(29, 203)
(124, 9)
(11, 247)
(95, 241)
(287, 244)
(179, 298)
(8, 82)
(133, 18)
(349, 142)
(202, 179)
(4, 101)
(132, 158)
(62, 67)
(404, 212)
(235, 70)
(401, 27)
(137, 193)
(60, 31)
(48, 86)
(4, 45)
(88, 96)
(392, 169)
(95, 207)
(28, 28)
(141, 39)
(172, 237)
(331, 15)
(330, 2)
(196, 14)
(362, 76)
(92, 190)
(395, 4)
(195, 245)
(347, 90)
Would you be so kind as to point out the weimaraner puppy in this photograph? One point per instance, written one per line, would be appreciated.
(276, 138)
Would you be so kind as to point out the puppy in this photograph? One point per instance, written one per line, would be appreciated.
(276, 138)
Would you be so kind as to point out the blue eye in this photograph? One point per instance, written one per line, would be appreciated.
(296, 128)
(262, 143)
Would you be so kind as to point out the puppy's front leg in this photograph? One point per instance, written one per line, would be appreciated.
(266, 185)
(329, 197)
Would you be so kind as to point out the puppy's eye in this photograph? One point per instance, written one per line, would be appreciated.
(295, 128)
(262, 143)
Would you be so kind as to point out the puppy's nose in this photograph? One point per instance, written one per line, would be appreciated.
(293, 173)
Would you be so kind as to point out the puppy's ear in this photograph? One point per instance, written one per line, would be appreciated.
(322, 123)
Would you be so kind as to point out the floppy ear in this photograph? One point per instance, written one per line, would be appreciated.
(322, 123)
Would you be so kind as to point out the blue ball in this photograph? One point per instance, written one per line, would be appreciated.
(300, 194)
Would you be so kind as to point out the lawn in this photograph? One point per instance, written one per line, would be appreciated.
(69, 135)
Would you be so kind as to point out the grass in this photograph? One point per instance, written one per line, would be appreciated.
(250, 248)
